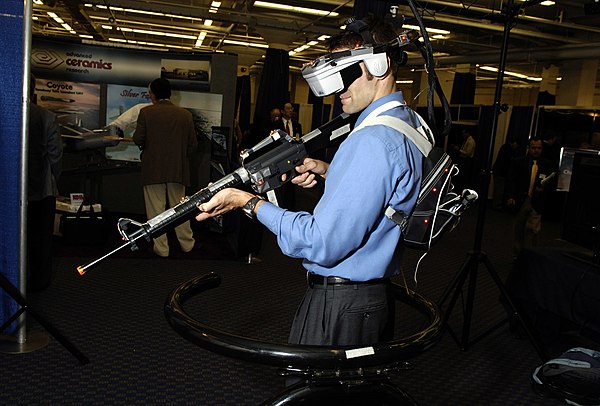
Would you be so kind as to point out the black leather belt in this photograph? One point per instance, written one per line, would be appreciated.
(315, 279)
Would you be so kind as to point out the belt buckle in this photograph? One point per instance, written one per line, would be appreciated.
(308, 281)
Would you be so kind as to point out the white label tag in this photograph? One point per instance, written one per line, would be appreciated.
(360, 352)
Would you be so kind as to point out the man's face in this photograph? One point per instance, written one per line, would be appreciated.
(275, 115)
(535, 149)
(360, 93)
(288, 111)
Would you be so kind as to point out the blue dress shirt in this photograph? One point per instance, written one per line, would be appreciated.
(348, 235)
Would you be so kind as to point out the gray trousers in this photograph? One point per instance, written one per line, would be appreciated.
(340, 315)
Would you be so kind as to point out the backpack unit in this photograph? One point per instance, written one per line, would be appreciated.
(438, 208)
(573, 377)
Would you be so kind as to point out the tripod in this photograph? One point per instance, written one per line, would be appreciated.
(476, 256)
(13, 292)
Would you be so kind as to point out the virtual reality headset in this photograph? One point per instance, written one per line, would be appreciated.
(336, 71)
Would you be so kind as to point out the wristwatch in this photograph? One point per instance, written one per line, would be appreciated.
(248, 208)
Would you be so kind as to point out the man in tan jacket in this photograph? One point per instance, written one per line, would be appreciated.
(167, 137)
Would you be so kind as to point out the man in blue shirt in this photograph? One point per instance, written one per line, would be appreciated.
(350, 248)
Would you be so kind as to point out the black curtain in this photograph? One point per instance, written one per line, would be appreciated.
(272, 91)
(463, 88)
(520, 123)
(242, 102)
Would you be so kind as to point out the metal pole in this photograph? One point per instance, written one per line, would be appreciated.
(27, 15)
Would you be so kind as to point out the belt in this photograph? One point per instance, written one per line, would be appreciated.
(315, 279)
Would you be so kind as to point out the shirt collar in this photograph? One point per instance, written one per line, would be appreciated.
(379, 102)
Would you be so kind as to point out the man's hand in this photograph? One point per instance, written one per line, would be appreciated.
(308, 171)
(223, 202)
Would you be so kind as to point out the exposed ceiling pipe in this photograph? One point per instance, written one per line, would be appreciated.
(484, 10)
(553, 54)
(499, 28)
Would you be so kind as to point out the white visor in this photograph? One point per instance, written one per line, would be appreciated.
(324, 74)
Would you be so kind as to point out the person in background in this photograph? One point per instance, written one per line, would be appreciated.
(43, 171)
(464, 159)
(506, 153)
(166, 135)
(289, 123)
(274, 117)
(350, 248)
(526, 185)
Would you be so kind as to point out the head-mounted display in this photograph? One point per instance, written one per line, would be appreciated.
(336, 71)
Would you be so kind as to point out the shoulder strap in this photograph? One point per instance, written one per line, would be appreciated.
(422, 136)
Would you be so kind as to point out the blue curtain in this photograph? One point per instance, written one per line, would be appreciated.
(11, 32)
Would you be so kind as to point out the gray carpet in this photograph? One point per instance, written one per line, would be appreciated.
(114, 315)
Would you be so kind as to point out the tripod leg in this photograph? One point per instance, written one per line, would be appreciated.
(469, 268)
(17, 297)
(526, 327)
(469, 304)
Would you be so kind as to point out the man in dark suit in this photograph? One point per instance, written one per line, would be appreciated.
(167, 136)
(44, 167)
(289, 123)
(528, 180)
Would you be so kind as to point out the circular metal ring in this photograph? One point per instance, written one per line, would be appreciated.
(298, 356)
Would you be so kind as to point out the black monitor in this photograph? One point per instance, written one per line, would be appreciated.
(581, 220)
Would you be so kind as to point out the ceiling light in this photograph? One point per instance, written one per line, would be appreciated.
(136, 11)
(86, 36)
(303, 10)
(244, 43)
(55, 17)
(404, 82)
(429, 29)
(545, 2)
(201, 37)
(157, 33)
(513, 74)
(324, 37)
(208, 23)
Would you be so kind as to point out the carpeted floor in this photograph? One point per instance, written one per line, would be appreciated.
(114, 315)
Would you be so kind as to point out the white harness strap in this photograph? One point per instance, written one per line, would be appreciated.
(421, 137)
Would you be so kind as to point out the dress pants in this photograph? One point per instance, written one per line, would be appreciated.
(527, 225)
(158, 198)
(344, 315)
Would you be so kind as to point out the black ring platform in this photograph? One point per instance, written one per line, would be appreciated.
(326, 372)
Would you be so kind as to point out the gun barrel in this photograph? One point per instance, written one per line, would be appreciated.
(177, 214)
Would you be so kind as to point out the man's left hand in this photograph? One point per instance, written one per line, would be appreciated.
(223, 202)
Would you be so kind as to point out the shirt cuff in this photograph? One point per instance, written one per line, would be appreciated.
(270, 215)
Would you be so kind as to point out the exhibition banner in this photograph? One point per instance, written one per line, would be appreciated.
(95, 64)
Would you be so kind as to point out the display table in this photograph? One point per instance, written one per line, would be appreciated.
(556, 292)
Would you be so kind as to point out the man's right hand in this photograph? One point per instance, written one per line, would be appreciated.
(308, 171)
